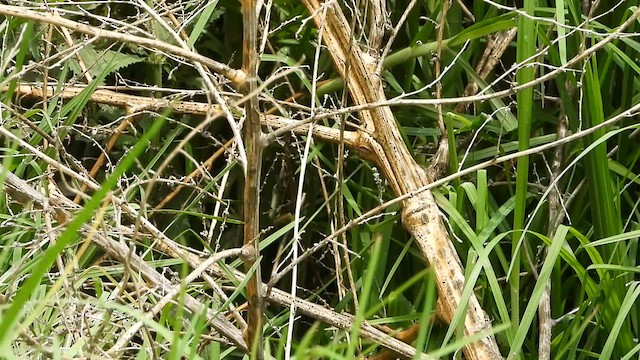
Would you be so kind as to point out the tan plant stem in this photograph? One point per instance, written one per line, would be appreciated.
(396, 30)
(496, 46)
(253, 139)
(555, 218)
(195, 174)
(21, 192)
(440, 160)
(377, 25)
(49, 18)
(420, 214)
(70, 316)
(47, 53)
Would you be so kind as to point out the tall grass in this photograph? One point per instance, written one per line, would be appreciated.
(64, 294)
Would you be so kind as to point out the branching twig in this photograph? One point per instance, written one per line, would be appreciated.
(20, 191)
(234, 75)
(496, 46)
(420, 215)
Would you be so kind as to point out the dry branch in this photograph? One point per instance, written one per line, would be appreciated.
(21, 192)
(254, 144)
(360, 141)
(420, 215)
(382, 145)
(496, 46)
(54, 19)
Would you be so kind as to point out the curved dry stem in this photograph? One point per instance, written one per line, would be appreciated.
(421, 214)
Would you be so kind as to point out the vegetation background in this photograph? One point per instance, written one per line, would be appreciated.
(136, 222)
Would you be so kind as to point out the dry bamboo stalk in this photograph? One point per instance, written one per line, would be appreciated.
(420, 214)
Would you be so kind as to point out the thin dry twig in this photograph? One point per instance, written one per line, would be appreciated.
(20, 191)
(237, 76)
(496, 46)
(298, 207)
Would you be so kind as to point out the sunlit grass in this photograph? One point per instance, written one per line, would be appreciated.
(498, 217)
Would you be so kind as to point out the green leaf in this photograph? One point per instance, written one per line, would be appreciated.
(100, 63)
(533, 302)
(203, 19)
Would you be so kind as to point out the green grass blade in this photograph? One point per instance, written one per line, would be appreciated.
(533, 302)
(14, 312)
(203, 19)
(630, 300)
(526, 46)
